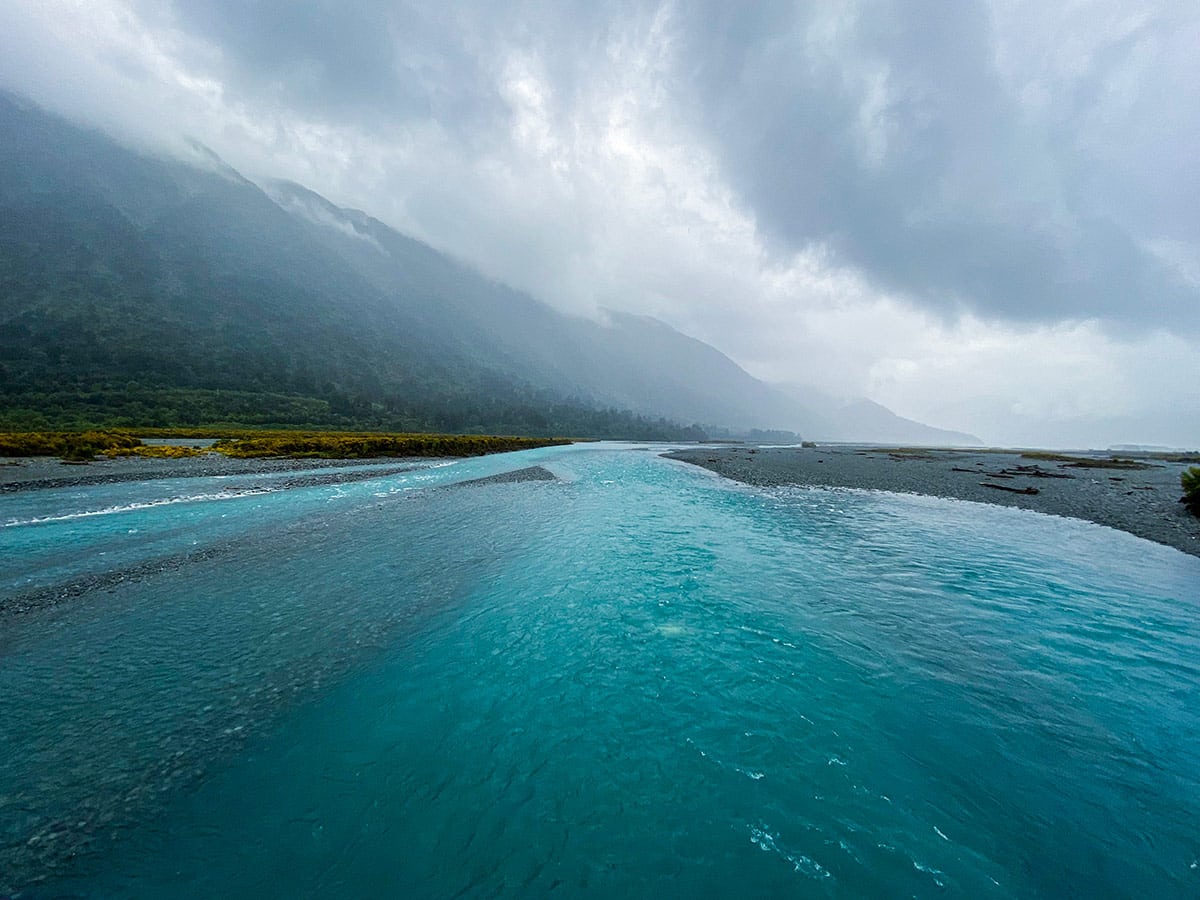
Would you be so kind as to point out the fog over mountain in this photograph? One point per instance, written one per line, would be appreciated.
(981, 215)
(127, 276)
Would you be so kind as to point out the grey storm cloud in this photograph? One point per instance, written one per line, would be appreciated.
(373, 62)
(939, 191)
(382, 63)
(882, 131)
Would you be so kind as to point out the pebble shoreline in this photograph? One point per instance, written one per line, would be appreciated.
(1142, 502)
(34, 473)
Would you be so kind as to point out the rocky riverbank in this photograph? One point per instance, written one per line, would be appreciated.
(1142, 499)
(32, 473)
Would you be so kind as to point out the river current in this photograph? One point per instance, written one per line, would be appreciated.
(635, 679)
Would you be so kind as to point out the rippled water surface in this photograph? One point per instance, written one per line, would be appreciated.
(635, 680)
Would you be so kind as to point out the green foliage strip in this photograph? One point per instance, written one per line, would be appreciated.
(1190, 479)
(248, 444)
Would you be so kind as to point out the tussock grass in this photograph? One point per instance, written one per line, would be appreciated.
(1087, 462)
(73, 446)
(251, 444)
(169, 451)
(349, 445)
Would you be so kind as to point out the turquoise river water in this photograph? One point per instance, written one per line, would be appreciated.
(636, 680)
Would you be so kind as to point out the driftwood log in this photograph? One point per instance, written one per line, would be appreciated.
(1011, 490)
(1037, 472)
(1015, 472)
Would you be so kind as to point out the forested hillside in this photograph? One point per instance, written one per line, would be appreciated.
(137, 289)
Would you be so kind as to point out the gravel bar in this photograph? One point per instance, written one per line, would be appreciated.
(35, 473)
(1142, 501)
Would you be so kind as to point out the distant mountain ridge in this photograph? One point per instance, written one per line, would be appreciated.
(575, 353)
(134, 287)
(630, 361)
(865, 421)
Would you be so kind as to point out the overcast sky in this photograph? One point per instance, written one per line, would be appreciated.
(985, 216)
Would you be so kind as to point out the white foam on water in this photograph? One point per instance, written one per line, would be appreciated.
(769, 843)
(135, 507)
(936, 874)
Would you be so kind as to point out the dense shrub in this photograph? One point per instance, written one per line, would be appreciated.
(71, 445)
(1087, 462)
(246, 443)
(1190, 480)
(333, 445)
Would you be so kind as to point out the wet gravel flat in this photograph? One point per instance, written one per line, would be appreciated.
(1143, 502)
(40, 473)
(34, 473)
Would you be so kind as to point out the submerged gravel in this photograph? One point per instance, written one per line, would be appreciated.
(35, 473)
(1143, 502)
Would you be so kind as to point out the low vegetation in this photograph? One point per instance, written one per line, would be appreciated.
(72, 446)
(245, 444)
(345, 445)
(130, 407)
(903, 451)
(161, 451)
(1190, 479)
(1087, 462)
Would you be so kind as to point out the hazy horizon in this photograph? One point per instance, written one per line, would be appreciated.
(982, 216)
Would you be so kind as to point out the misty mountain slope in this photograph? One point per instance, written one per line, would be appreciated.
(144, 289)
(447, 302)
(174, 271)
(865, 421)
(629, 361)
(125, 274)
